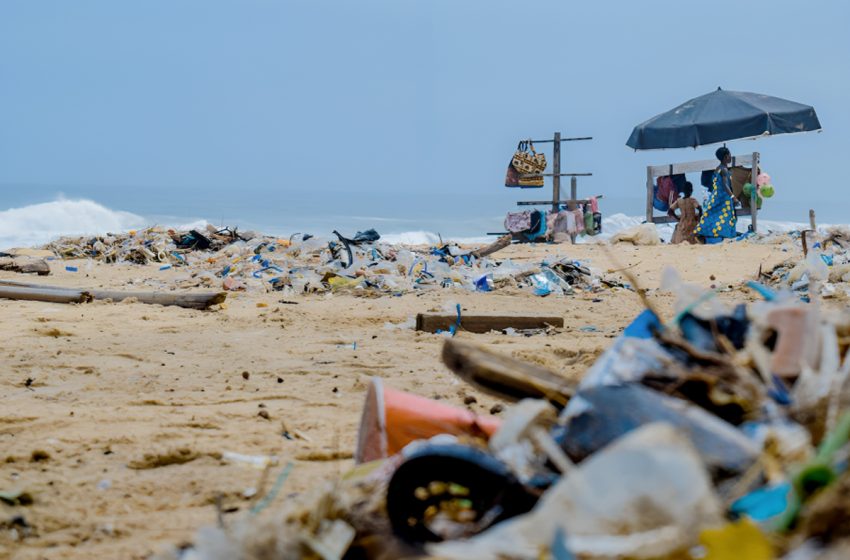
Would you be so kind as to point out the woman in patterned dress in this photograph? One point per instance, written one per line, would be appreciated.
(718, 221)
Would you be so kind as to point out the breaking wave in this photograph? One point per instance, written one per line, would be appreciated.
(40, 223)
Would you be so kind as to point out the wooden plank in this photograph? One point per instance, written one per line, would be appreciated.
(649, 194)
(556, 172)
(562, 139)
(432, 322)
(542, 202)
(503, 376)
(696, 166)
(572, 205)
(753, 197)
(526, 175)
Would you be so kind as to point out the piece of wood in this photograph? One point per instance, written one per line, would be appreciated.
(754, 207)
(542, 202)
(503, 376)
(812, 224)
(25, 265)
(556, 172)
(44, 294)
(432, 322)
(528, 175)
(695, 166)
(562, 139)
(572, 205)
(650, 194)
(202, 300)
(499, 244)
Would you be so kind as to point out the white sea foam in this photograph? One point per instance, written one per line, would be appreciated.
(40, 223)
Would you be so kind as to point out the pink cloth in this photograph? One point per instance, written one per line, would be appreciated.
(518, 221)
(594, 204)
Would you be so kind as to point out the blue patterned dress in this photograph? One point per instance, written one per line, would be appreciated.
(718, 220)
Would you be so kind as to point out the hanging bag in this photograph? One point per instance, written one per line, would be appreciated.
(526, 161)
(512, 175)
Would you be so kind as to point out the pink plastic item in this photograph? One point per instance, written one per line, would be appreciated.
(763, 179)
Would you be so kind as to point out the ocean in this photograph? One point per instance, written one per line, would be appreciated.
(35, 215)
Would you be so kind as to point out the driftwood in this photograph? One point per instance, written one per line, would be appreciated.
(432, 322)
(44, 294)
(497, 245)
(505, 377)
(26, 266)
(36, 292)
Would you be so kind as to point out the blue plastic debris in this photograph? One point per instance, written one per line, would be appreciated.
(71, 268)
(765, 292)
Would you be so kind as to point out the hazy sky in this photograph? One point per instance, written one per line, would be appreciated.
(411, 97)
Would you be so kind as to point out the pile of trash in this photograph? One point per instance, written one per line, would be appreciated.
(824, 268)
(721, 433)
(363, 265)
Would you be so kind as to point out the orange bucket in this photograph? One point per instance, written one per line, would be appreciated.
(391, 419)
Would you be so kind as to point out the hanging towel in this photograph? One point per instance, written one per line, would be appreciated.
(516, 222)
(571, 223)
(579, 218)
(594, 205)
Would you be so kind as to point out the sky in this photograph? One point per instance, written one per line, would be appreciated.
(404, 108)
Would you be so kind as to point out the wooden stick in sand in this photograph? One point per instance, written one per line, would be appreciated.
(497, 245)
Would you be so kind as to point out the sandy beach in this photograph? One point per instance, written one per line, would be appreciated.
(121, 433)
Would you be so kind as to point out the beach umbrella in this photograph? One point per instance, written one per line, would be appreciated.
(722, 116)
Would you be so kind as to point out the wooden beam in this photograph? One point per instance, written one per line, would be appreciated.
(503, 376)
(650, 194)
(556, 172)
(196, 300)
(542, 202)
(572, 205)
(754, 206)
(432, 322)
(695, 166)
(527, 175)
(562, 139)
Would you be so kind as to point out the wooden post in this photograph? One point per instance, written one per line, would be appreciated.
(812, 224)
(649, 194)
(754, 206)
(573, 205)
(556, 172)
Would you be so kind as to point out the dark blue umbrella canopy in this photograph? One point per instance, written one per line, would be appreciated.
(722, 116)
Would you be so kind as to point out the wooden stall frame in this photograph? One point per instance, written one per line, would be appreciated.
(556, 175)
(654, 171)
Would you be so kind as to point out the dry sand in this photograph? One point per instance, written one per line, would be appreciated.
(120, 435)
